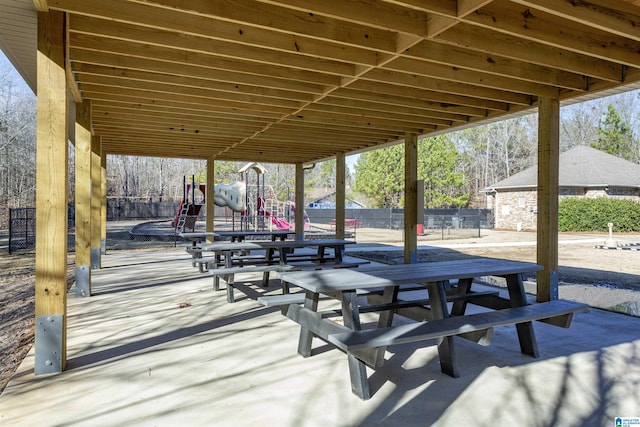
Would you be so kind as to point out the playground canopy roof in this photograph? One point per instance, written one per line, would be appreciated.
(292, 81)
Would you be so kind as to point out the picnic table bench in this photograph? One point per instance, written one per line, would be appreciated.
(226, 261)
(199, 238)
(366, 348)
(348, 223)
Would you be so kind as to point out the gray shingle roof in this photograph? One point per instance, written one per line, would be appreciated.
(581, 166)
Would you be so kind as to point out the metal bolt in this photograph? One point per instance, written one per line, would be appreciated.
(50, 319)
(48, 363)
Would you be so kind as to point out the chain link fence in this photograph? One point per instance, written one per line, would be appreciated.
(438, 223)
(133, 232)
(22, 230)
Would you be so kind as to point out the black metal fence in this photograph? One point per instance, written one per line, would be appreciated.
(22, 229)
(441, 223)
(438, 224)
(123, 210)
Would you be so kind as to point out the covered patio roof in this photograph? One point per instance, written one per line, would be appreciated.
(246, 79)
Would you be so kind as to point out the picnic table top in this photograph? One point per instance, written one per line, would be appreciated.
(268, 244)
(234, 233)
(198, 234)
(340, 280)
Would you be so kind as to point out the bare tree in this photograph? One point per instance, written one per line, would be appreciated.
(17, 142)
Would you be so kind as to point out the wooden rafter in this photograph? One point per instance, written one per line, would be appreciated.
(250, 75)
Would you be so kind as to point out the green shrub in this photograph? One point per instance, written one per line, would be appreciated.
(576, 214)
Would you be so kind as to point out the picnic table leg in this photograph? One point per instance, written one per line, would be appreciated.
(216, 278)
(306, 336)
(464, 287)
(446, 348)
(269, 258)
(389, 295)
(229, 278)
(357, 368)
(518, 298)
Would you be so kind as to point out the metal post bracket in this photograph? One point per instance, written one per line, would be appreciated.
(48, 344)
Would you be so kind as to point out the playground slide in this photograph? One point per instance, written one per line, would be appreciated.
(231, 195)
(280, 223)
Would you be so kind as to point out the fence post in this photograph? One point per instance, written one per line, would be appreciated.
(10, 229)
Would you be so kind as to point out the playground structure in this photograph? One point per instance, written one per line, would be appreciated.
(256, 205)
(193, 199)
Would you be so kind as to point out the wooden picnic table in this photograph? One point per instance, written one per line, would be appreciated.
(274, 256)
(348, 223)
(234, 235)
(242, 235)
(198, 238)
(367, 347)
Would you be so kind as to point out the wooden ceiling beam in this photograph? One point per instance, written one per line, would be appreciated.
(93, 33)
(355, 122)
(177, 139)
(446, 99)
(536, 25)
(123, 121)
(173, 120)
(374, 115)
(372, 13)
(251, 14)
(334, 134)
(203, 136)
(387, 108)
(246, 19)
(311, 140)
(345, 129)
(179, 57)
(442, 85)
(188, 82)
(458, 57)
(472, 77)
(623, 22)
(186, 24)
(395, 101)
(255, 96)
(506, 45)
(123, 62)
(205, 113)
(124, 100)
(90, 91)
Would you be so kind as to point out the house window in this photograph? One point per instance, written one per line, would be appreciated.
(522, 202)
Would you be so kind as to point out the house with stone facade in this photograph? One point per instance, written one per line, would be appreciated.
(584, 172)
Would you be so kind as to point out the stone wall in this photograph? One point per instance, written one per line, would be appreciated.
(517, 210)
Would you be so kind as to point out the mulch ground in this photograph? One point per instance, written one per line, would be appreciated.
(17, 315)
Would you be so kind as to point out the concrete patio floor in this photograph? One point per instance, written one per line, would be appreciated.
(155, 346)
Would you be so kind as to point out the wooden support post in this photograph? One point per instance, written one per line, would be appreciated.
(299, 214)
(83, 198)
(210, 206)
(548, 171)
(51, 197)
(340, 194)
(410, 198)
(96, 203)
(103, 202)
